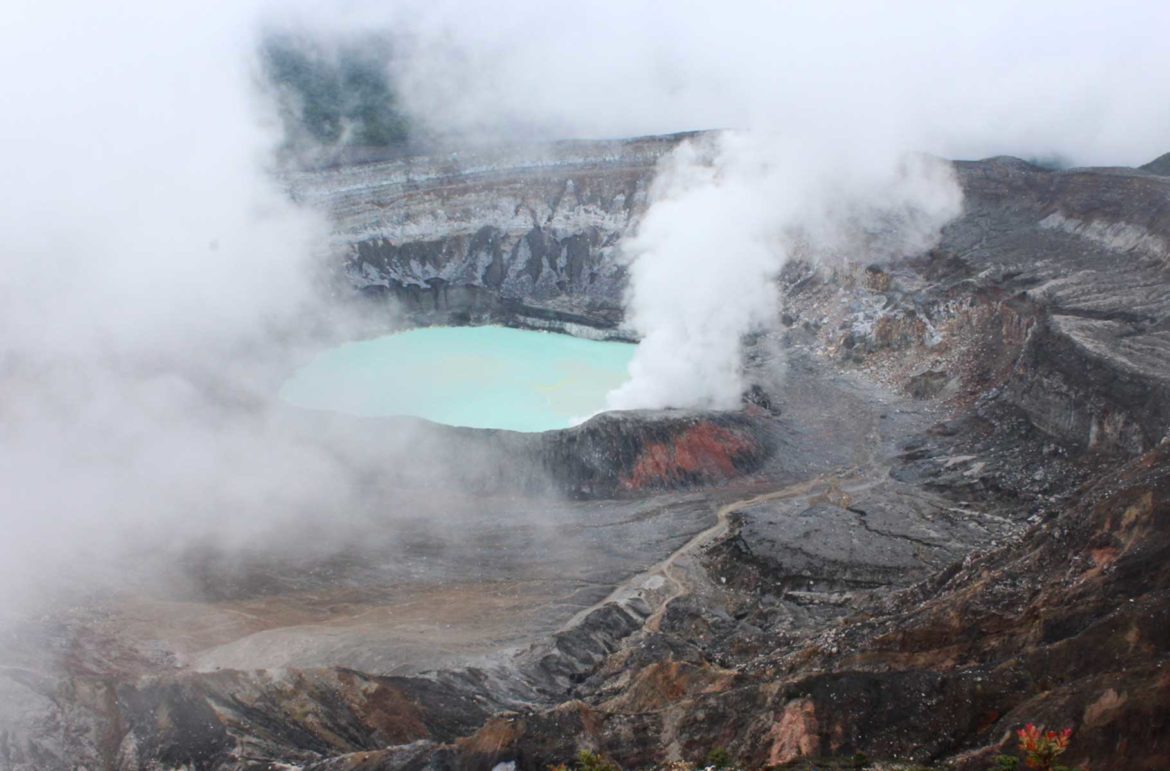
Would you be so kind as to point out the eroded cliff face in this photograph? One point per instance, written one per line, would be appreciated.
(1089, 250)
(1049, 291)
(947, 518)
(526, 234)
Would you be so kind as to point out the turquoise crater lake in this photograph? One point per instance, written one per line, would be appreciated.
(481, 377)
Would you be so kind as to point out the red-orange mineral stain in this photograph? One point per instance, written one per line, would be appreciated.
(706, 451)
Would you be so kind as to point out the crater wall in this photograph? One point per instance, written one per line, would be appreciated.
(528, 235)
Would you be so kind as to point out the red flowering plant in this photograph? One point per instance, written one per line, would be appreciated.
(1040, 749)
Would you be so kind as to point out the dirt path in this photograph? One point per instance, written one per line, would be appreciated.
(664, 573)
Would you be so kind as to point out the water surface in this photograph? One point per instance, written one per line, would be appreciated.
(482, 377)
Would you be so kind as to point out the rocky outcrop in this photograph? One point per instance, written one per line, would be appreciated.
(611, 455)
(1053, 630)
(1160, 165)
(1089, 249)
(1096, 382)
(236, 719)
(632, 453)
(1051, 289)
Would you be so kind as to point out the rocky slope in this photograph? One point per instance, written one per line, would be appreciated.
(1039, 320)
(947, 517)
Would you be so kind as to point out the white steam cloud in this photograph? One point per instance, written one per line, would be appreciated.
(1042, 78)
(725, 219)
(149, 269)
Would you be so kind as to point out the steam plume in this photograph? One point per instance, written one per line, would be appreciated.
(727, 213)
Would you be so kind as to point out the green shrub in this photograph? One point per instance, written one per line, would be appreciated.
(589, 761)
(718, 758)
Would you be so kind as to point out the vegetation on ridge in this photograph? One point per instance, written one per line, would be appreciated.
(333, 95)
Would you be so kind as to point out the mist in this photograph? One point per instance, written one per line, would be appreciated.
(153, 279)
(156, 282)
(1049, 78)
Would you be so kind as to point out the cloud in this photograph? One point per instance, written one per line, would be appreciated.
(995, 77)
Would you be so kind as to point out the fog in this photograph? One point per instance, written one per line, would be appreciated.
(1043, 78)
(155, 282)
